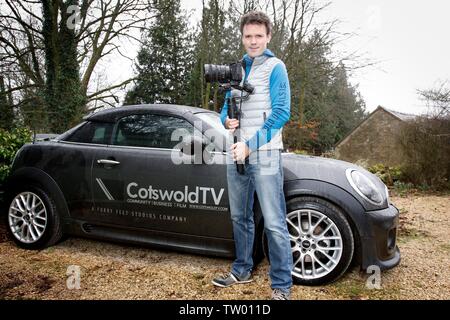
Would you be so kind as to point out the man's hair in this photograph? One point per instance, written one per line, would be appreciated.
(256, 17)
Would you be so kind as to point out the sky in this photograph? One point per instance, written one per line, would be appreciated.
(408, 39)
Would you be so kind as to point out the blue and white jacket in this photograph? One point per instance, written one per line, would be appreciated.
(268, 109)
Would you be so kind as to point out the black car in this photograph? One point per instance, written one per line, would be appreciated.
(156, 175)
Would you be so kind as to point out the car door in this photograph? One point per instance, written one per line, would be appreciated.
(72, 164)
(158, 192)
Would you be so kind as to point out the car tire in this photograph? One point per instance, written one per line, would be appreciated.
(308, 246)
(32, 218)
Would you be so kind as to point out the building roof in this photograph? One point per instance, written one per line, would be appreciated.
(402, 116)
(398, 115)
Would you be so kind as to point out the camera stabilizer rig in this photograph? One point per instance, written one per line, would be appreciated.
(230, 77)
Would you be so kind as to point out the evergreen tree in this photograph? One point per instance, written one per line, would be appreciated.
(325, 107)
(6, 108)
(165, 59)
(217, 42)
(346, 103)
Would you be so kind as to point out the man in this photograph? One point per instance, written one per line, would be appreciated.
(264, 114)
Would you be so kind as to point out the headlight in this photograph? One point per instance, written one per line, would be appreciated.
(387, 193)
(364, 186)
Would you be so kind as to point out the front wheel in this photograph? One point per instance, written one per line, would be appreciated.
(321, 238)
(32, 220)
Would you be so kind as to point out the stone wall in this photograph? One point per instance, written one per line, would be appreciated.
(374, 141)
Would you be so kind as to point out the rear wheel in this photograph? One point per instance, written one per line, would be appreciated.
(32, 219)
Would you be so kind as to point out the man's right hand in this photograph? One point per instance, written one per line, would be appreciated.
(231, 124)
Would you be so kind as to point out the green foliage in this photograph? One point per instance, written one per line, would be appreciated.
(165, 59)
(325, 106)
(403, 188)
(10, 143)
(389, 175)
(217, 41)
(301, 152)
(329, 154)
(424, 187)
(6, 109)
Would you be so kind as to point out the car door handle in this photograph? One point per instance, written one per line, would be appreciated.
(108, 162)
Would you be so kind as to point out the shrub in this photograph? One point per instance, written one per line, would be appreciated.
(301, 152)
(426, 145)
(402, 188)
(10, 143)
(363, 163)
(389, 175)
(329, 154)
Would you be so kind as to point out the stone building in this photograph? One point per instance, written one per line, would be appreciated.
(375, 140)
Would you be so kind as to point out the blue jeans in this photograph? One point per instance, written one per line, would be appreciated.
(263, 174)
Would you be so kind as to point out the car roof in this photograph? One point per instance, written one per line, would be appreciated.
(114, 114)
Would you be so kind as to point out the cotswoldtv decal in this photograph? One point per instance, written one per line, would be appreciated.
(202, 198)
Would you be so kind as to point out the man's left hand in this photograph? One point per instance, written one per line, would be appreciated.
(240, 151)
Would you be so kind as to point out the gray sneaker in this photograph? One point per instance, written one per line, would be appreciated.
(280, 294)
(230, 279)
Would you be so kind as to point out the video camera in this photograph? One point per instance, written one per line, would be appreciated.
(230, 77)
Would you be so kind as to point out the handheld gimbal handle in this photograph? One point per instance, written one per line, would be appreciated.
(234, 113)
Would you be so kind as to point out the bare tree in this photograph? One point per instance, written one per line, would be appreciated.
(21, 58)
(426, 140)
(307, 44)
(102, 28)
(437, 100)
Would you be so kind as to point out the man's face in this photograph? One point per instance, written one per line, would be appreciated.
(255, 39)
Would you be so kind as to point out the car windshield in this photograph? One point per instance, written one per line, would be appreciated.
(214, 121)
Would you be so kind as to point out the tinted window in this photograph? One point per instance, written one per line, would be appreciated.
(92, 132)
(151, 131)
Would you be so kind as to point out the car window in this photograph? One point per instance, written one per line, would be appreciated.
(151, 131)
(219, 136)
(214, 121)
(92, 132)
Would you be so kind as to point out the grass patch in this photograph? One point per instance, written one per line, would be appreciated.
(407, 234)
(405, 230)
(355, 287)
(445, 247)
(417, 192)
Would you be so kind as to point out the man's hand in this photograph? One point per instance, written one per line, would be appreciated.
(231, 124)
(239, 151)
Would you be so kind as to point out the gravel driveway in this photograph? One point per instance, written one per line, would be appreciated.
(110, 271)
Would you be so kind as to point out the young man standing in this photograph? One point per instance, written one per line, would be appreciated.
(263, 116)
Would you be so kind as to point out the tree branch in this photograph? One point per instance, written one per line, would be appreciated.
(111, 88)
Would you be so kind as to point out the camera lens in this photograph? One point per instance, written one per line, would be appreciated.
(217, 73)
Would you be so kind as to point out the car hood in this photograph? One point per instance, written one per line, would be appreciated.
(333, 171)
